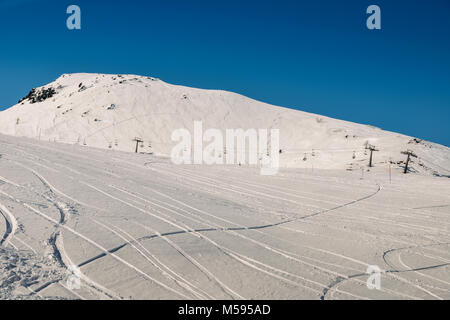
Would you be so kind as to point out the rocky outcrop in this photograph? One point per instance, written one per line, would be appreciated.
(35, 96)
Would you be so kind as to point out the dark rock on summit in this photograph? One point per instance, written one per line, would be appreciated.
(39, 95)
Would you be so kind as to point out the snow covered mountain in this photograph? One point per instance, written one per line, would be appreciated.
(109, 111)
(79, 222)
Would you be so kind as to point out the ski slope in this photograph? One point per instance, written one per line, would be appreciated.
(139, 227)
(109, 111)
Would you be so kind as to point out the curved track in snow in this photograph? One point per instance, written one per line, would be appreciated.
(11, 225)
(157, 222)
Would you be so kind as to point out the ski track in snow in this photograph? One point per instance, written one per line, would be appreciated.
(119, 186)
(11, 225)
(351, 277)
(349, 294)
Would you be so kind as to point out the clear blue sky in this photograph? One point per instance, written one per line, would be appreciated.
(317, 56)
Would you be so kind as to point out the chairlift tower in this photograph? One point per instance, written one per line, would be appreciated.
(137, 140)
(410, 154)
(372, 149)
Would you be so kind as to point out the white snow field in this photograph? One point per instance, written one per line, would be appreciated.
(138, 226)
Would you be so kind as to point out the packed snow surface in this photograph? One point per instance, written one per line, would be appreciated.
(79, 207)
(139, 227)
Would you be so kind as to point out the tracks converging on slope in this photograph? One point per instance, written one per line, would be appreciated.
(182, 215)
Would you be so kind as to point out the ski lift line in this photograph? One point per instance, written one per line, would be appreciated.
(322, 151)
(64, 141)
(120, 122)
(335, 149)
(79, 122)
(129, 119)
(284, 151)
(430, 162)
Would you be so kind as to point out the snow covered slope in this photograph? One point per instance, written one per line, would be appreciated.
(108, 111)
(137, 226)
